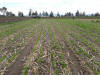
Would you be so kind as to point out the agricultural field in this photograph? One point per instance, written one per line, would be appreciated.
(50, 47)
(12, 19)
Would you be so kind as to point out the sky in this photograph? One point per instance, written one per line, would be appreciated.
(62, 6)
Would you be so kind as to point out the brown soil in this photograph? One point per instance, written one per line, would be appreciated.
(44, 67)
(17, 67)
(76, 65)
(45, 64)
(12, 19)
(97, 43)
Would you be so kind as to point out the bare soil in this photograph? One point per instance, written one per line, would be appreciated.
(12, 19)
(76, 65)
(41, 60)
(17, 67)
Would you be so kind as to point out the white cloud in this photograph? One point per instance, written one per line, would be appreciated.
(62, 6)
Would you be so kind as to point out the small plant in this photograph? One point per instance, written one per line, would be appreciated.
(25, 70)
(2, 58)
(63, 64)
(56, 72)
(13, 57)
(97, 63)
(61, 56)
(85, 53)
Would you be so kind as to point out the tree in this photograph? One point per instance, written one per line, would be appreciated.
(84, 14)
(10, 14)
(77, 13)
(3, 10)
(36, 13)
(46, 14)
(58, 15)
(33, 13)
(20, 14)
(40, 15)
(30, 12)
(51, 14)
(43, 14)
(97, 14)
(68, 14)
(7, 13)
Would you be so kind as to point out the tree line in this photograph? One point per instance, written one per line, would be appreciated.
(5, 12)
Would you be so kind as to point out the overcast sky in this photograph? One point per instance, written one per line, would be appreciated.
(62, 6)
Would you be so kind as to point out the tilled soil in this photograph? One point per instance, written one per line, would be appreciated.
(76, 65)
(17, 67)
(44, 65)
(43, 62)
(12, 19)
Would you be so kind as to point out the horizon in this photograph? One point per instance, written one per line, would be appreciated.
(61, 6)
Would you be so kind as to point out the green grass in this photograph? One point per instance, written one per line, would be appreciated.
(2, 58)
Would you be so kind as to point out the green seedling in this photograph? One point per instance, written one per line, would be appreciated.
(56, 72)
(2, 58)
(63, 64)
(85, 53)
(61, 56)
(25, 70)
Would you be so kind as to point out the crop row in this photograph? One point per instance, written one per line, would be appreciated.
(14, 45)
(77, 43)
